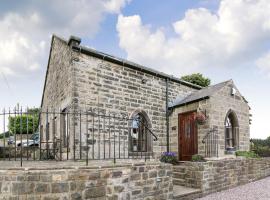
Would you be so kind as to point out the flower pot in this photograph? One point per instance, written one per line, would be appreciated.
(200, 118)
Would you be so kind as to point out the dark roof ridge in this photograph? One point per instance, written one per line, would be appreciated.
(204, 93)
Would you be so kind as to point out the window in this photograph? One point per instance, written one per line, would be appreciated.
(231, 131)
(64, 127)
(140, 139)
(47, 131)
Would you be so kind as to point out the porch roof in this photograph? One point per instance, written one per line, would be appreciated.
(199, 95)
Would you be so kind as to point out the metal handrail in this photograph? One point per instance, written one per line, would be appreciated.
(155, 137)
(210, 141)
(208, 133)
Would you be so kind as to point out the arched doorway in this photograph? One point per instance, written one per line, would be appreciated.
(231, 131)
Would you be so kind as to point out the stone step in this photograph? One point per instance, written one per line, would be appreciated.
(179, 181)
(179, 175)
(183, 193)
(179, 168)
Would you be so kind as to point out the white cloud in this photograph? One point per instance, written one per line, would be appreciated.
(25, 32)
(264, 63)
(115, 5)
(234, 35)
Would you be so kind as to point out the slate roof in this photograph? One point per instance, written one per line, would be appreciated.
(204, 93)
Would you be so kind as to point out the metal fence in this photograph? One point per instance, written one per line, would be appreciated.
(210, 141)
(73, 135)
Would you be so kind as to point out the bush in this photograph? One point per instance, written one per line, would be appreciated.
(197, 158)
(18, 124)
(168, 157)
(263, 151)
(261, 142)
(247, 154)
(5, 135)
(197, 79)
(261, 147)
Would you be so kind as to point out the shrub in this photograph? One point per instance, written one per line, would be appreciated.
(197, 79)
(247, 154)
(168, 157)
(263, 151)
(261, 147)
(5, 135)
(18, 124)
(197, 158)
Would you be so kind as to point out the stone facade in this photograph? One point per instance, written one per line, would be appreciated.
(216, 106)
(220, 104)
(83, 79)
(214, 176)
(77, 81)
(141, 181)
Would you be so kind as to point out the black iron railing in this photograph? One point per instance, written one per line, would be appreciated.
(210, 142)
(73, 135)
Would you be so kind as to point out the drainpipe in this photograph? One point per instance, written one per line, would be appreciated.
(167, 115)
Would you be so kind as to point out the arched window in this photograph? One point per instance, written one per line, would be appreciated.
(140, 139)
(231, 131)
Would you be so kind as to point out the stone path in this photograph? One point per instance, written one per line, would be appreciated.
(259, 190)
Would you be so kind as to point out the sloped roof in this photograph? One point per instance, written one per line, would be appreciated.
(199, 95)
(113, 59)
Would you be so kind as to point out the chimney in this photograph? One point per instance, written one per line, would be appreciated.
(74, 41)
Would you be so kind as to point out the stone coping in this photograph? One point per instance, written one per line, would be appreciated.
(223, 160)
(66, 165)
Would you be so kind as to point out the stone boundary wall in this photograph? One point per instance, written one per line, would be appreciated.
(141, 181)
(214, 176)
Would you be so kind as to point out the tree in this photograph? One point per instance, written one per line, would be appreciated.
(25, 123)
(197, 79)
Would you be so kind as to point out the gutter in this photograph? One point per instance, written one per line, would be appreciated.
(189, 102)
(167, 116)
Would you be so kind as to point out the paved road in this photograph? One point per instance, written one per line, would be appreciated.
(259, 190)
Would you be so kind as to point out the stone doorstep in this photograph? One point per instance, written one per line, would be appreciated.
(181, 191)
(225, 157)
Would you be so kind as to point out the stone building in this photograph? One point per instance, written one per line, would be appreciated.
(185, 118)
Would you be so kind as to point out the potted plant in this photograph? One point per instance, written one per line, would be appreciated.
(168, 157)
(197, 158)
(200, 118)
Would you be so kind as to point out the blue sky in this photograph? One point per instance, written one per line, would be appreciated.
(222, 39)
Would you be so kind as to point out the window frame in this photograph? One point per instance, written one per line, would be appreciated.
(144, 138)
(231, 131)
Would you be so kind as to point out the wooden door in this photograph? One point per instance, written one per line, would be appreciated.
(188, 138)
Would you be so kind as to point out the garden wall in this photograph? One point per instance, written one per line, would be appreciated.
(141, 181)
(214, 176)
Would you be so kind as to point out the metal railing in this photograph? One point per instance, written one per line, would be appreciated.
(210, 141)
(67, 135)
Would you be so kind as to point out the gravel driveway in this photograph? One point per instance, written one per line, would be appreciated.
(259, 190)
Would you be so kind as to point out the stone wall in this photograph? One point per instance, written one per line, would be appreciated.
(115, 88)
(141, 181)
(58, 86)
(214, 176)
(220, 104)
(79, 81)
(58, 89)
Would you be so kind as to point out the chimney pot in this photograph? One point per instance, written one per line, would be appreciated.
(74, 41)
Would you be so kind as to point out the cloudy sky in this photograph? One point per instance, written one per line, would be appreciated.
(222, 39)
